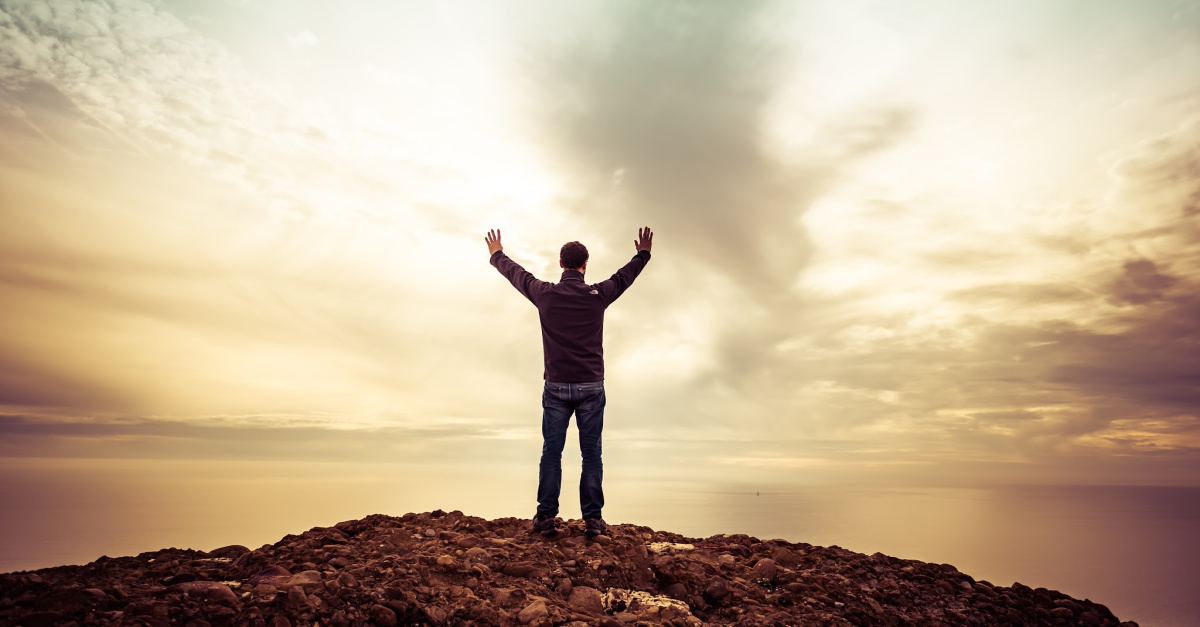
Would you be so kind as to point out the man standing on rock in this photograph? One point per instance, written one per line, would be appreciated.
(572, 317)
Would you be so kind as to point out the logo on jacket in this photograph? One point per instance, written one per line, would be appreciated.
(595, 292)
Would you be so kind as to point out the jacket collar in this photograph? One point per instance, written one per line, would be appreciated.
(573, 275)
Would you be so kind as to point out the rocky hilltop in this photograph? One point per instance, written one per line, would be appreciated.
(442, 568)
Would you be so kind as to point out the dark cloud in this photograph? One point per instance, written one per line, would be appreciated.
(1141, 283)
(659, 111)
(669, 102)
(26, 383)
(1153, 364)
(242, 438)
(1126, 374)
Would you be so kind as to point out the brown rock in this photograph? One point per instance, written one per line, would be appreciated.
(383, 616)
(676, 591)
(296, 598)
(586, 600)
(520, 569)
(306, 578)
(507, 596)
(232, 551)
(718, 588)
(764, 569)
(43, 619)
(435, 615)
(784, 556)
(280, 621)
(467, 542)
(532, 612)
(211, 590)
(272, 575)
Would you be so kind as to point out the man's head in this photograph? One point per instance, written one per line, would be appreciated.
(573, 256)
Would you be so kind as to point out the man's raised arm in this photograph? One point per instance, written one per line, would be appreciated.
(619, 282)
(526, 283)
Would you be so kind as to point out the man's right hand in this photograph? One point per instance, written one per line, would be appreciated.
(645, 240)
(493, 241)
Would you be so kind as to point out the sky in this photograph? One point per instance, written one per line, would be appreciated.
(929, 241)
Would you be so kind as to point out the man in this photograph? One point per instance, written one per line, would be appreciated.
(572, 317)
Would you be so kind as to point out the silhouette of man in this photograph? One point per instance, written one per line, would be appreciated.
(572, 317)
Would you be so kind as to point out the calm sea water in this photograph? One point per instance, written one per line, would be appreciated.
(1134, 549)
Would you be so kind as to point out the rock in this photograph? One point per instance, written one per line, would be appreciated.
(519, 569)
(43, 619)
(602, 540)
(764, 569)
(717, 589)
(532, 612)
(180, 578)
(474, 571)
(435, 615)
(586, 600)
(271, 575)
(676, 591)
(233, 551)
(297, 599)
(467, 542)
(210, 590)
(382, 616)
(306, 578)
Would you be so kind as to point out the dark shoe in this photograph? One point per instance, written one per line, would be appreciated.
(594, 527)
(545, 525)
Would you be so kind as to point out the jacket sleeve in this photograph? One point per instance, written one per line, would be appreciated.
(616, 285)
(527, 284)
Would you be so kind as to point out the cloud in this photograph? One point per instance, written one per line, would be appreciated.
(302, 39)
(660, 116)
(255, 437)
(805, 309)
(133, 68)
(1141, 282)
(671, 97)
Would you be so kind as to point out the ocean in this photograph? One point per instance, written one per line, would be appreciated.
(1133, 548)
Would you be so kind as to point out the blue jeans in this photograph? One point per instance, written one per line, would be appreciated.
(559, 401)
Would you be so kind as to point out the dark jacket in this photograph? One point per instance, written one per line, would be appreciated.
(572, 315)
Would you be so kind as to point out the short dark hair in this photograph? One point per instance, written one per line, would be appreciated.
(573, 255)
